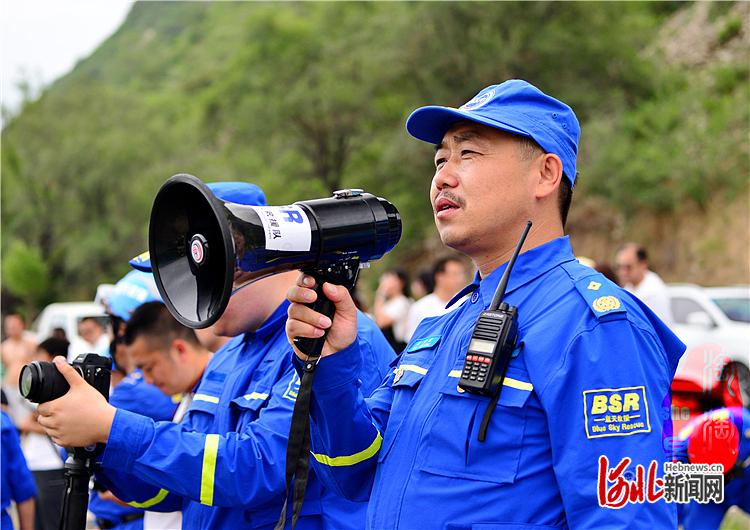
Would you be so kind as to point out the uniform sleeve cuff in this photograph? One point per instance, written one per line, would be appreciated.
(123, 445)
(338, 369)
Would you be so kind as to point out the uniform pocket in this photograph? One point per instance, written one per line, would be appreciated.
(453, 449)
(206, 398)
(405, 384)
(250, 404)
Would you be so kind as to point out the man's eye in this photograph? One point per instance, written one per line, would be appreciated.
(440, 161)
(467, 152)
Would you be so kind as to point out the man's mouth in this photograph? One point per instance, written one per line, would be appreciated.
(442, 204)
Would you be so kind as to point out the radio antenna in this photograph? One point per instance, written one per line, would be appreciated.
(500, 291)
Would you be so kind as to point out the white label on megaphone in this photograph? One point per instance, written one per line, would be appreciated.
(286, 228)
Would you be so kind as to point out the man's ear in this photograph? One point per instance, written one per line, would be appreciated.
(180, 348)
(550, 174)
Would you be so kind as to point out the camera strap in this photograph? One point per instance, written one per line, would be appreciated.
(298, 447)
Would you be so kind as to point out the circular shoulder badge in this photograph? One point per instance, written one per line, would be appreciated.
(606, 303)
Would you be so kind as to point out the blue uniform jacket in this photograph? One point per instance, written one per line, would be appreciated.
(592, 370)
(224, 464)
(135, 395)
(17, 482)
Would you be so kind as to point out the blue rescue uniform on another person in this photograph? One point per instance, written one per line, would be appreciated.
(135, 395)
(224, 464)
(17, 481)
(591, 370)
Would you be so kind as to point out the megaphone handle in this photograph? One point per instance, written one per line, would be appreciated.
(310, 346)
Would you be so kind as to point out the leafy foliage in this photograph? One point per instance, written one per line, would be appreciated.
(303, 98)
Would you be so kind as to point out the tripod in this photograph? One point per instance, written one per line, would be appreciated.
(78, 472)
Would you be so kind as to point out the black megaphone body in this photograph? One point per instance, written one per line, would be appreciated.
(203, 249)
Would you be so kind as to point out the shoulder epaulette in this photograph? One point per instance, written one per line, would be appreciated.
(600, 294)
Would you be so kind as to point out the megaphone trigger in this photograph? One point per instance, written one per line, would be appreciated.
(343, 273)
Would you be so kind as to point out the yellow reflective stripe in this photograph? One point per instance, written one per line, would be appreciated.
(413, 368)
(255, 395)
(147, 504)
(508, 381)
(204, 397)
(520, 385)
(352, 459)
(209, 467)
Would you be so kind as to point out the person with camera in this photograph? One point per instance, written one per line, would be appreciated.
(132, 393)
(224, 464)
(587, 374)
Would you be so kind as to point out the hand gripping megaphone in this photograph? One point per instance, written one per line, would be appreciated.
(203, 249)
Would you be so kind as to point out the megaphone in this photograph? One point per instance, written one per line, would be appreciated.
(203, 248)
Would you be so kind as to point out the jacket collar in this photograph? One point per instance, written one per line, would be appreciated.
(529, 266)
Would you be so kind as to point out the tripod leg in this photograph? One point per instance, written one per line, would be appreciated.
(76, 500)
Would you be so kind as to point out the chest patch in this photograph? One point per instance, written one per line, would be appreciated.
(423, 344)
(293, 388)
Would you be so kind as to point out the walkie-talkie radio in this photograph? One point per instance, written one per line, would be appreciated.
(493, 340)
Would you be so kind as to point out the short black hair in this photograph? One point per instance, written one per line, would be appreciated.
(440, 264)
(154, 321)
(531, 148)
(427, 277)
(54, 346)
(403, 276)
(640, 250)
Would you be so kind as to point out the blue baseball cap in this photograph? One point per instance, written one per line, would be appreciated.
(514, 106)
(237, 192)
(134, 289)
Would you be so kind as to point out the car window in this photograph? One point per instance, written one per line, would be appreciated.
(737, 309)
(682, 307)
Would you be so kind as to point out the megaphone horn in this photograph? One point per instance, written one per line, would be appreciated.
(204, 248)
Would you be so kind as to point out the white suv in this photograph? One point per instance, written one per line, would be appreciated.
(719, 315)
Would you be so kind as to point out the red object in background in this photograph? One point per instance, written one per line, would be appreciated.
(713, 439)
(707, 380)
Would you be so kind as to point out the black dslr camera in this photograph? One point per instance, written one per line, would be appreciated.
(40, 381)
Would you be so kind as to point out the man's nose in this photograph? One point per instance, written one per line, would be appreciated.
(445, 177)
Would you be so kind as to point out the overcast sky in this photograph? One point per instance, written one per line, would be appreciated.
(41, 40)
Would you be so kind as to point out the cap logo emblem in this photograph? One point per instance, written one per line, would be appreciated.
(479, 100)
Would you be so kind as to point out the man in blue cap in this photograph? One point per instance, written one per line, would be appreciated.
(131, 392)
(224, 464)
(584, 385)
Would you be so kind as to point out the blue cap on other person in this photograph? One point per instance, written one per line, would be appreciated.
(236, 192)
(134, 289)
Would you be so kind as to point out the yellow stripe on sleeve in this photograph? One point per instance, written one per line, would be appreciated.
(151, 502)
(210, 452)
(351, 459)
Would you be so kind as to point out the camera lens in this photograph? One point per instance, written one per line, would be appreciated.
(40, 382)
(28, 376)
